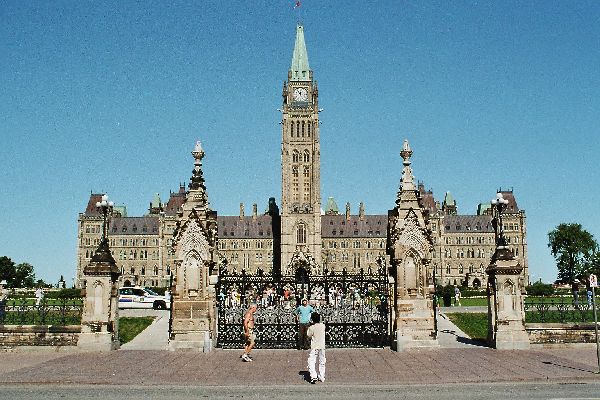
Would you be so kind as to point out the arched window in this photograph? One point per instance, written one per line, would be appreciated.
(295, 171)
(302, 128)
(295, 156)
(308, 128)
(143, 271)
(306, 172)
(298, 128)
(306, 156)
(292, 129)
(301, 234)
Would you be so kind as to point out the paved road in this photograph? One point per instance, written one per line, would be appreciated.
(417, 392)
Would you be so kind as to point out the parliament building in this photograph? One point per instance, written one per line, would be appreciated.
(462, 244)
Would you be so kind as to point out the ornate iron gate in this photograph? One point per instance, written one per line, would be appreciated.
(354, 307)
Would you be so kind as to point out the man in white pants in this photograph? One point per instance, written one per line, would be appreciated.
(316, 334)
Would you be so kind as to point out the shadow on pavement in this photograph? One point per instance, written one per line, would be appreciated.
(305, 375)
(461, 339)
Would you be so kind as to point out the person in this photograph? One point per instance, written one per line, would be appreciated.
(3, 297)
(316, 333)
(456, 296)
(39, 296)
(575, 291)
(588, 291)
(249, 335)
(303, 313)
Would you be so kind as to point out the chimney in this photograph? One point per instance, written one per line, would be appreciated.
(254, 211)
(241, 210)
(348, 211)
(361, 211)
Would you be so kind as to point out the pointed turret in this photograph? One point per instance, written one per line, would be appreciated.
(300, 70)
(197, 193)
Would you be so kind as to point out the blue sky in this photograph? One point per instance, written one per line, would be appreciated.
(111, 96)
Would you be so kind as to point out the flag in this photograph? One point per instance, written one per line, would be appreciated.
(297, 4)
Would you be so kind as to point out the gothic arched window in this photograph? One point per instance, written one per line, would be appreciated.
(301, 234)
(295, 156)
(306, 156)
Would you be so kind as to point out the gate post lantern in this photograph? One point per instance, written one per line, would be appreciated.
(506, 313)
(409, 248)
(99, 321)
(193, 317)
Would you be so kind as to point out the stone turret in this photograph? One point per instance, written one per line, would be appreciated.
(409, 248)
(194, 241)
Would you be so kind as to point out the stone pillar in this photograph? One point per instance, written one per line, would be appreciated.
(409, 247)
(506, 314)
(100, 318)
(193, 317)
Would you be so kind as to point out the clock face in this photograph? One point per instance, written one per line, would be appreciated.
(300, 94)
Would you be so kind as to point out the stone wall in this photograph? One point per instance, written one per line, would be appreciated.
(560, 334)
(39, 335)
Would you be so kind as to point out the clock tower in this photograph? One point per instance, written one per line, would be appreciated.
(300, 162)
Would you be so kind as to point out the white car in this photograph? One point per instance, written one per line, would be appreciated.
(137, 297)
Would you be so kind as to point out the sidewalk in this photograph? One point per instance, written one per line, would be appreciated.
(145, 361)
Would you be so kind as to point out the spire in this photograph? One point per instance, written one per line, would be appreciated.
(197, 181)
(407, 182)
(300, 69)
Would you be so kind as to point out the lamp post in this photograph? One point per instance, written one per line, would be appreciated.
(104, 206)
(499, 204)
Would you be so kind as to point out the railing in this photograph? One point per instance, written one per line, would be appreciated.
(558, 310)
(52, 312)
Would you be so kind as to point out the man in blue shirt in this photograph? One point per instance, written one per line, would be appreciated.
(303, 313)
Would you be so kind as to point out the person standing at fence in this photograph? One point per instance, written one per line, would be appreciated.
(316, 333)
(3, 297)
(249, 335)
(303, 313)
(588, 291)
(39, 296)
(575, 291)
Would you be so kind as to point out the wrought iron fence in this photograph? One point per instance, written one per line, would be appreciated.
(354, 306)
(557, 310)
(53, 312)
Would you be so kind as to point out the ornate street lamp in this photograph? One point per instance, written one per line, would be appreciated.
(499, 204)
(102, 254)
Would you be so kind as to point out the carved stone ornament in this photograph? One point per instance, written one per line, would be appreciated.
(301, 259)
(411, 236)
(193, 239)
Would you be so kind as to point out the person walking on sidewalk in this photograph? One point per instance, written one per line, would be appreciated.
(249, 335)
(456, 296)
(303, 313)
(316, 333)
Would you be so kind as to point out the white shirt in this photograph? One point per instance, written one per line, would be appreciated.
(316, 333)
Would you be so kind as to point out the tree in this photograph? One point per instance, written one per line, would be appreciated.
(16, 276)
(571, 246)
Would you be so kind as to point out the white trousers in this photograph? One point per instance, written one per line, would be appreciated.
(312, 364)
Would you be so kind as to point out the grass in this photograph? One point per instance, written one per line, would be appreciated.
(130, 327)
(473, 324)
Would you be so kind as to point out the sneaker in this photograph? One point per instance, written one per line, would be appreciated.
(246, 355)
(245, 358)
(321, 379)
(313, 381)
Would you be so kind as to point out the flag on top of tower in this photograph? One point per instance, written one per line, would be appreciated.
(297, 4)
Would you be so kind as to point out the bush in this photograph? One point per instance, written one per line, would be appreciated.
(446, 293)
(540, 289)
(64, 294)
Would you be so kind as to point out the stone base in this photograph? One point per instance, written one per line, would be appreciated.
(191, 341)
(99, 341)
(511, 339)
(405, 342)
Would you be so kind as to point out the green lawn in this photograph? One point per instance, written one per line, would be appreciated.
(473, 324)
(130, 327)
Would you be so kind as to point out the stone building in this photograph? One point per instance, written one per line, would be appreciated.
(268, 240)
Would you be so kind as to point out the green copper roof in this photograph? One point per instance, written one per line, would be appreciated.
(300, 69)
(448, 200)
(155, 201)
(331, 207)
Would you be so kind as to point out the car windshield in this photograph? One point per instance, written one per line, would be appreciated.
(151, 292)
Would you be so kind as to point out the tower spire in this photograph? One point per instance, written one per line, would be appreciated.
(197, 180)
(407, 182)
(300, 68)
